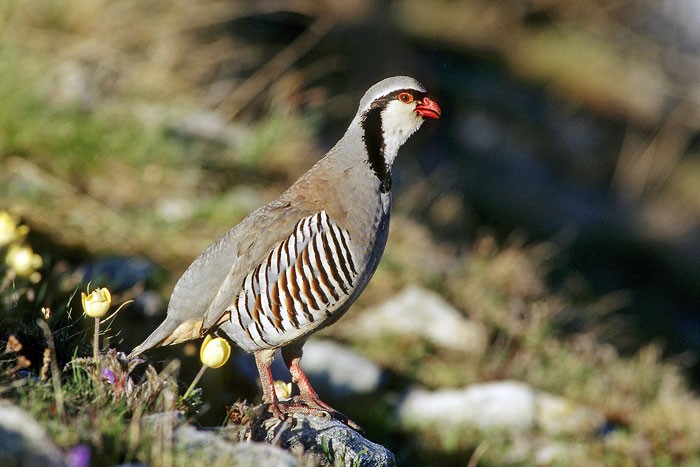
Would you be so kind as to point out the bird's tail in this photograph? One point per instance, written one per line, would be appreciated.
(165, 334)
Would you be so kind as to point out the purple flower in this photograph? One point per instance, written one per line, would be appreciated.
(109, 375)
(78, 456)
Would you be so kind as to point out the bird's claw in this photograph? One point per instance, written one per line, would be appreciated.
(282, 409)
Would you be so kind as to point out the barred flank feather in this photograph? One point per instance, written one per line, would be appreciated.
(303, 279)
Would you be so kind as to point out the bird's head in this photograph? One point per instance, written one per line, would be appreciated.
(389, 113)
(402, 103)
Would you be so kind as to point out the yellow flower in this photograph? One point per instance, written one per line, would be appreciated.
(9, 230)
(283, 390)
(214, 352)
(23, 261)
(97, 303)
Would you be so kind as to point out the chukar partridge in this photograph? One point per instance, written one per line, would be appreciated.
(296, 265)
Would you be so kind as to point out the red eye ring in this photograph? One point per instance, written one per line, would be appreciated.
(405, 97)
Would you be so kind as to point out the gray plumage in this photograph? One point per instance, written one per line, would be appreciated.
(297, 264)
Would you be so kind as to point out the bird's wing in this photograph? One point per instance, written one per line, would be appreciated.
(295, 264)
(213, 279)
(296, 286)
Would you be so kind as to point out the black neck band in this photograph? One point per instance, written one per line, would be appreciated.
(374, 143)
(374, 136)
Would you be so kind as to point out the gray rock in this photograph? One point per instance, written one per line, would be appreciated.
(339, 371)
(205, 447)
(209, 447)
(508, 405)
(270, 442)
(422, 313)
(210, 126)
(326, 442)
(23, 441)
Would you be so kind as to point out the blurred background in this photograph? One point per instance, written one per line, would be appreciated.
(556, 203)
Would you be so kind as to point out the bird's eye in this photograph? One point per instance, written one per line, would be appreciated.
(405, 97)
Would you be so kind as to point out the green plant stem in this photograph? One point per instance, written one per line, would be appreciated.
(194, 382)
(96, 339)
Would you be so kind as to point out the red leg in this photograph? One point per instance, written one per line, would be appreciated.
(280, 409)
(263, 361)
(308, 401)
(306, 392)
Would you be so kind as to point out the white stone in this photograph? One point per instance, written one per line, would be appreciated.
(339, 370)
(419, 312)
(504, 404)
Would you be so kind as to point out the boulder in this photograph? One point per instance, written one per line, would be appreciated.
(324, 441)
(339, 371)
(265, 440)
(508, 405)
(424, 314)
(23, 441)
(213, 446)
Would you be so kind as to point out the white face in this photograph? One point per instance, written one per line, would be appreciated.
(399, 122)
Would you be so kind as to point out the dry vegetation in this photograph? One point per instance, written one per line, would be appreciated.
(97, 156)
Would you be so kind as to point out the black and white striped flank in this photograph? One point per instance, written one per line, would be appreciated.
(303, 279)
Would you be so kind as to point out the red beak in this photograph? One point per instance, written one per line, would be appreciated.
(428, 108)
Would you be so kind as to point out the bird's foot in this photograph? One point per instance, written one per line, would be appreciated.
(316, 407)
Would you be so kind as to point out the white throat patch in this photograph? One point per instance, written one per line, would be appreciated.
(399, 122)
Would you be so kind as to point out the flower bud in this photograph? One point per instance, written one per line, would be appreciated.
(215, 351)
(283, 390)
(97, 303)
